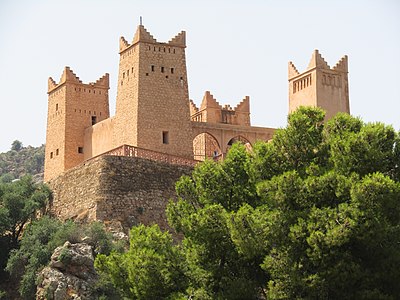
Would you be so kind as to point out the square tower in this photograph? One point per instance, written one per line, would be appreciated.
(320, 86)
(72, 107)
(152, 110)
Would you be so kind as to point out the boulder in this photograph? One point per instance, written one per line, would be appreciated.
(70, 274)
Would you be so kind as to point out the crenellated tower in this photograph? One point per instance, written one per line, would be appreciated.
(152, 109)
(320, 86)
(72, 107)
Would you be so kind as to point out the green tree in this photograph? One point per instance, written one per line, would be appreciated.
(38, 242)
(151, 269)
(20, 202)
(16, 145)
(313, 214)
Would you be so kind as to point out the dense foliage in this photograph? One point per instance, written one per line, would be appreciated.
(313, 214)
(20, 161)
(38, 242)
(21, 202)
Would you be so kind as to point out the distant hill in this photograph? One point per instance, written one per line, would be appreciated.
(20, 161)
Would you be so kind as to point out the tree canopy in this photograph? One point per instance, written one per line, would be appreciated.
(312, 214)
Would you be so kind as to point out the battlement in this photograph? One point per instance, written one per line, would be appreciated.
(69, 76)
(142, 35)
(318, 62)
(213, 112)
(320, 85)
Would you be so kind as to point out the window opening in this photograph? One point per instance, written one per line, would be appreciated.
(165, 137)
(80, 149)
(94, 120)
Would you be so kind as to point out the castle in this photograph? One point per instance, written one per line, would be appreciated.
(154, 117)
(153, 110)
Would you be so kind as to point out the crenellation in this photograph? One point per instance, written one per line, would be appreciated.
(342, 64)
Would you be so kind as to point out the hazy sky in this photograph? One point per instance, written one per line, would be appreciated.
(234, 49)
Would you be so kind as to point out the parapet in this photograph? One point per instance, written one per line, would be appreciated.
(213, 112)
(142, 35)
(69, 76)
(318, 62)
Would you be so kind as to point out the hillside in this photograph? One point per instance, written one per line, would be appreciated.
(21, 161)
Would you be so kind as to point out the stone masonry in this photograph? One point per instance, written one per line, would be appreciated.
(116, 188)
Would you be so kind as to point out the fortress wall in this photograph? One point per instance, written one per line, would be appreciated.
(114, 188)
(75, 192)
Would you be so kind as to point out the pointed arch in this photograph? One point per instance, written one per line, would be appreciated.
(205, 145)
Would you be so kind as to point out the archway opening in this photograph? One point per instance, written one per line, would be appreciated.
(206, 146)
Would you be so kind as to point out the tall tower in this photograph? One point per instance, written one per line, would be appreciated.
(72, 107)
(152, 110)
(320, 85)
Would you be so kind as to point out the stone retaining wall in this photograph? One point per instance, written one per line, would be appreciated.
(130, 190)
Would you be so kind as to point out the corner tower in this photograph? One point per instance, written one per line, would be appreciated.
(152, 110)
(320, 85)
(72, 107)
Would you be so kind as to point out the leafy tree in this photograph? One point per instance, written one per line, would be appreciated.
(38, 242)
(313, 214)
(151, 269)
(16, 145)
(20, 202)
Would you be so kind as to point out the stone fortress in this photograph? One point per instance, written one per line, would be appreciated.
(124, 167)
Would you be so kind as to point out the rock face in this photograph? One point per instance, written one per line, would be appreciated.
(70, 274)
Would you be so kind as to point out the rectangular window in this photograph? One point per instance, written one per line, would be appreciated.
(57, 151)
(80, 149)
(51, 154)
(56, 106)
(94, 120)
(152, 68)
(172, 70)
(165, 138)
(162, 69)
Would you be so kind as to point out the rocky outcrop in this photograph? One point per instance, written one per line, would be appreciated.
(70, 274)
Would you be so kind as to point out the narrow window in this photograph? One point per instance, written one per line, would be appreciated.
(94, 120)
(127, 73)
(51, 154)
(162, 69)
(80, 149)
(57, 151)
(172, 70)
(165, 138)
(152, 68)
(123, 75)
(56, 106)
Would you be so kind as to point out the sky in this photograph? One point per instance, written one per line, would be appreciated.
(234, 49)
